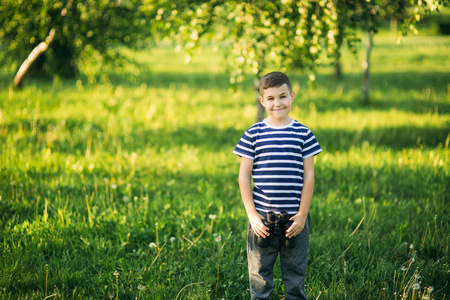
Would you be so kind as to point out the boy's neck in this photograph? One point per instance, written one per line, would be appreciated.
(279, 122)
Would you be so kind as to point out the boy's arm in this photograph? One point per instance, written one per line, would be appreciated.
(245, 185)
(307, 192)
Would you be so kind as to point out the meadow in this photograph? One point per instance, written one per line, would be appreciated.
(125, 186)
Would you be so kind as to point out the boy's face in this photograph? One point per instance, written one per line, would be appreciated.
(277, 101)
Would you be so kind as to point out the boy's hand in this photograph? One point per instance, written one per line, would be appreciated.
(257, 225)
(298, 223)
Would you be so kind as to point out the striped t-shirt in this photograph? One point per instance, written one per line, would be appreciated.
(277, 153)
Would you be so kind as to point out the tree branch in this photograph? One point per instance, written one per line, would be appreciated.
(42, 47)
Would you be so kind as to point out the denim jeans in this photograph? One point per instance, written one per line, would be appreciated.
(293, 265)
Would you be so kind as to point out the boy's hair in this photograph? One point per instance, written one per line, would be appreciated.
(274, 79)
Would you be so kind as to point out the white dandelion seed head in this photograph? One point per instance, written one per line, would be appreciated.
(404, 268)
(172, 239)
(218, 239)
(212, 217)
(141, 287)
(126, 199)
(214, 234)
(114, 186)
(416, 286)
(116, 273)
(411, 246)
(417, 276)
(152, 245)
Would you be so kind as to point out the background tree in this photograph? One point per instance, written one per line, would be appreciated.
(80, 28)
(294, 34)
(367, 16)
(260, 34)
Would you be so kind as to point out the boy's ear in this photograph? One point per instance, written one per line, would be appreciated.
(293, 96)
(261, 100)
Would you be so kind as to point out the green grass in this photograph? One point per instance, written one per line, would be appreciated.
(91, 174)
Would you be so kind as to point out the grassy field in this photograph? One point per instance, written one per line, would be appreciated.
(127, 188)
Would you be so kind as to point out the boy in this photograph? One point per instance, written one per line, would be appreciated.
(278, 154)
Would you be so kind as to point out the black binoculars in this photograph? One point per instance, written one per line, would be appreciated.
(277, 224)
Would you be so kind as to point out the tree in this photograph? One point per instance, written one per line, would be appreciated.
(281, 33)
(293, 34)
(79, 26)
(366, 16)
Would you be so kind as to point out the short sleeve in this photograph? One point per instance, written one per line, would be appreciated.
(245, 147)
(311, 146)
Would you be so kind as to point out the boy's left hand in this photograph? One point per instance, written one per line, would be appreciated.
(298, 223)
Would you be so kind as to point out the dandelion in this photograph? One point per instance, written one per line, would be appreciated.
(125, 198)
(411, 246)
(116, 273)
(141, 287)
(416, 286)
(114, 186)
(212, 217)
(152, 245)
(218, 239)
(417, 276)
(404, 269)
(135, 198)
(172, 239)
(106, 179)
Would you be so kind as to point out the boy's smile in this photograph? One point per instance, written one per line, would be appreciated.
(277, 101)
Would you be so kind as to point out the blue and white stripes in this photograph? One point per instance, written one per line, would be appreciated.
(277, 154)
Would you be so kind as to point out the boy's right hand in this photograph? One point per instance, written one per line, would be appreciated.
(258, 226)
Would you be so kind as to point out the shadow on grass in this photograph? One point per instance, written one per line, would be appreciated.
(387, 89)
(209, 138)
(403, 91)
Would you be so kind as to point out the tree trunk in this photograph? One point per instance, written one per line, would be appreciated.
(42, 47)
(338, 67)
(366, 68)
(261, 112)
(393, 28)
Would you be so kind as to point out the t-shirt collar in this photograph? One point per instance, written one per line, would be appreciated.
(278, 127)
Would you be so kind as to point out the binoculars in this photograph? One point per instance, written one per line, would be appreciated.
(277, 224)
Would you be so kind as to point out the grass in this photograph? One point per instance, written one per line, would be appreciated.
(135, 175)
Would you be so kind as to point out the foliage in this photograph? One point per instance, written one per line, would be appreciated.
(100, 178)
(83, 28)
